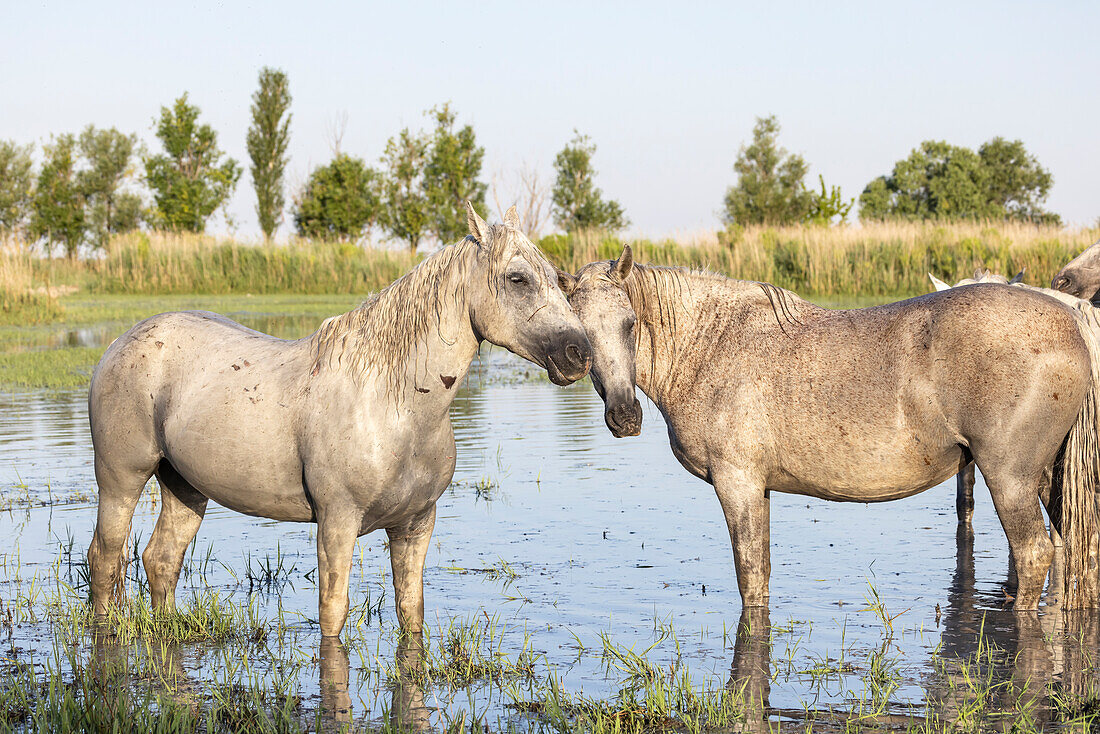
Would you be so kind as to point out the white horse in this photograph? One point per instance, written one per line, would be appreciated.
(348, 427)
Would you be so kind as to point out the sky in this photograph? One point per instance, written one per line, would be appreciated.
(667, 91)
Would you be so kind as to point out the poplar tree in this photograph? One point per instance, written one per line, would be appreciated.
(267, 143)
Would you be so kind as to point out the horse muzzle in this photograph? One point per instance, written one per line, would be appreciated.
(625, 419)
(569, 362)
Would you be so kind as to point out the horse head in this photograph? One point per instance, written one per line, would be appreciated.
(516, 301)
(1081, 275)
(598, 295)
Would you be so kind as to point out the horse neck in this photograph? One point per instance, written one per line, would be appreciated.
(427, 360)
(681, 314)
(664, 302)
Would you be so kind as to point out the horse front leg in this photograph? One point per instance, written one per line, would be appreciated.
(336, 535)
(408, 548)
(746, 507)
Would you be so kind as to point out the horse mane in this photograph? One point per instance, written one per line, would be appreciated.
(651, 290)
(381, 335)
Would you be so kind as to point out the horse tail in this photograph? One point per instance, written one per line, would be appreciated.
(1080, 480)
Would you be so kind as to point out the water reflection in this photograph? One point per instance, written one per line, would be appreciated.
(993, 663)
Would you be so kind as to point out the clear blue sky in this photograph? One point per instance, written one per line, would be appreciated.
(668, 91)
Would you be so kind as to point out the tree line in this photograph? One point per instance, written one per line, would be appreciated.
(101, 182)
(937, 181)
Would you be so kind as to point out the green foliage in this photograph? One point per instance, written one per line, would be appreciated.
(267, 141)
(58, 215)
(23, 307)
(405, 207)
(943, 181)
(770, 188)
(451, 170)
(828, 206)
(1015, 182)
(107, 157)
(577, 203)
(16, 182)
(189, 180)
(340, 200)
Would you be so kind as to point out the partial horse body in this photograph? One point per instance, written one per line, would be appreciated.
(763, 391)
(348, 427)
(1083, 310)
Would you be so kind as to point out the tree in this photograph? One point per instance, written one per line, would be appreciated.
(189, 180)
(577, 203)
(16, 182)
(451, 169)
(943, 181)
(528, 191)
(267, 143)
(828, 205)
(1015, 182)
(107, 156)
(770, 188)
(340, 200)
(405, 208)
(58, 214)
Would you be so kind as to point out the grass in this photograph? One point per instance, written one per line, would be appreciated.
(53, 369)
(874, 259)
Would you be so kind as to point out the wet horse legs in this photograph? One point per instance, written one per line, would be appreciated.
(408, 548)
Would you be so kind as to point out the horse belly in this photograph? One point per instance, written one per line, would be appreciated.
(244, 460)
(891, 472)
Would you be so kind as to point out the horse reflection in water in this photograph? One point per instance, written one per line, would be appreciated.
(113, 664)
(408, 712)
(1023, 655)
(1029, 651)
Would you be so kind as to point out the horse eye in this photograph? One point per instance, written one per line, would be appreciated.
(518, 279)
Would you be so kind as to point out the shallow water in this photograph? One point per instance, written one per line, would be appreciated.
(605, 536)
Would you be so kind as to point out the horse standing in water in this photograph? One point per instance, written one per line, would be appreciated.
(348, 427)
(763, 391)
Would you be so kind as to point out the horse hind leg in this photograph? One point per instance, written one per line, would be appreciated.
(119, 491)
(1016, 498)
(181, 514)
(964, 488)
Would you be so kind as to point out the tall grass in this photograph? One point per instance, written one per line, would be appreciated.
(877, 259)
(884, 259)
(20, 302)
(168, 263)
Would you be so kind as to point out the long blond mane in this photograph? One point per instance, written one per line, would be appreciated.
(382, 335)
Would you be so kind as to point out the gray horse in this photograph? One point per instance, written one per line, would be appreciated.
(1084, 310)
(762, 391)
(348, 427)
(1081, 275)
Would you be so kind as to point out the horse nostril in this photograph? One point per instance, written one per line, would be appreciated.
(573, 355)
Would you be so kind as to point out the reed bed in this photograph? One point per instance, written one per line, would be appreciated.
(22, 300)
(886, 259)
(875, 259)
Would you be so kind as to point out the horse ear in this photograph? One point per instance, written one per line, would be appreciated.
(511, 217)
(940, 285)
(479, 230)
(624, 265)
(567, 282)
(1018, 277)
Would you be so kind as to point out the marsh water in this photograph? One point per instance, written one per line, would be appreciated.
(569, 548)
